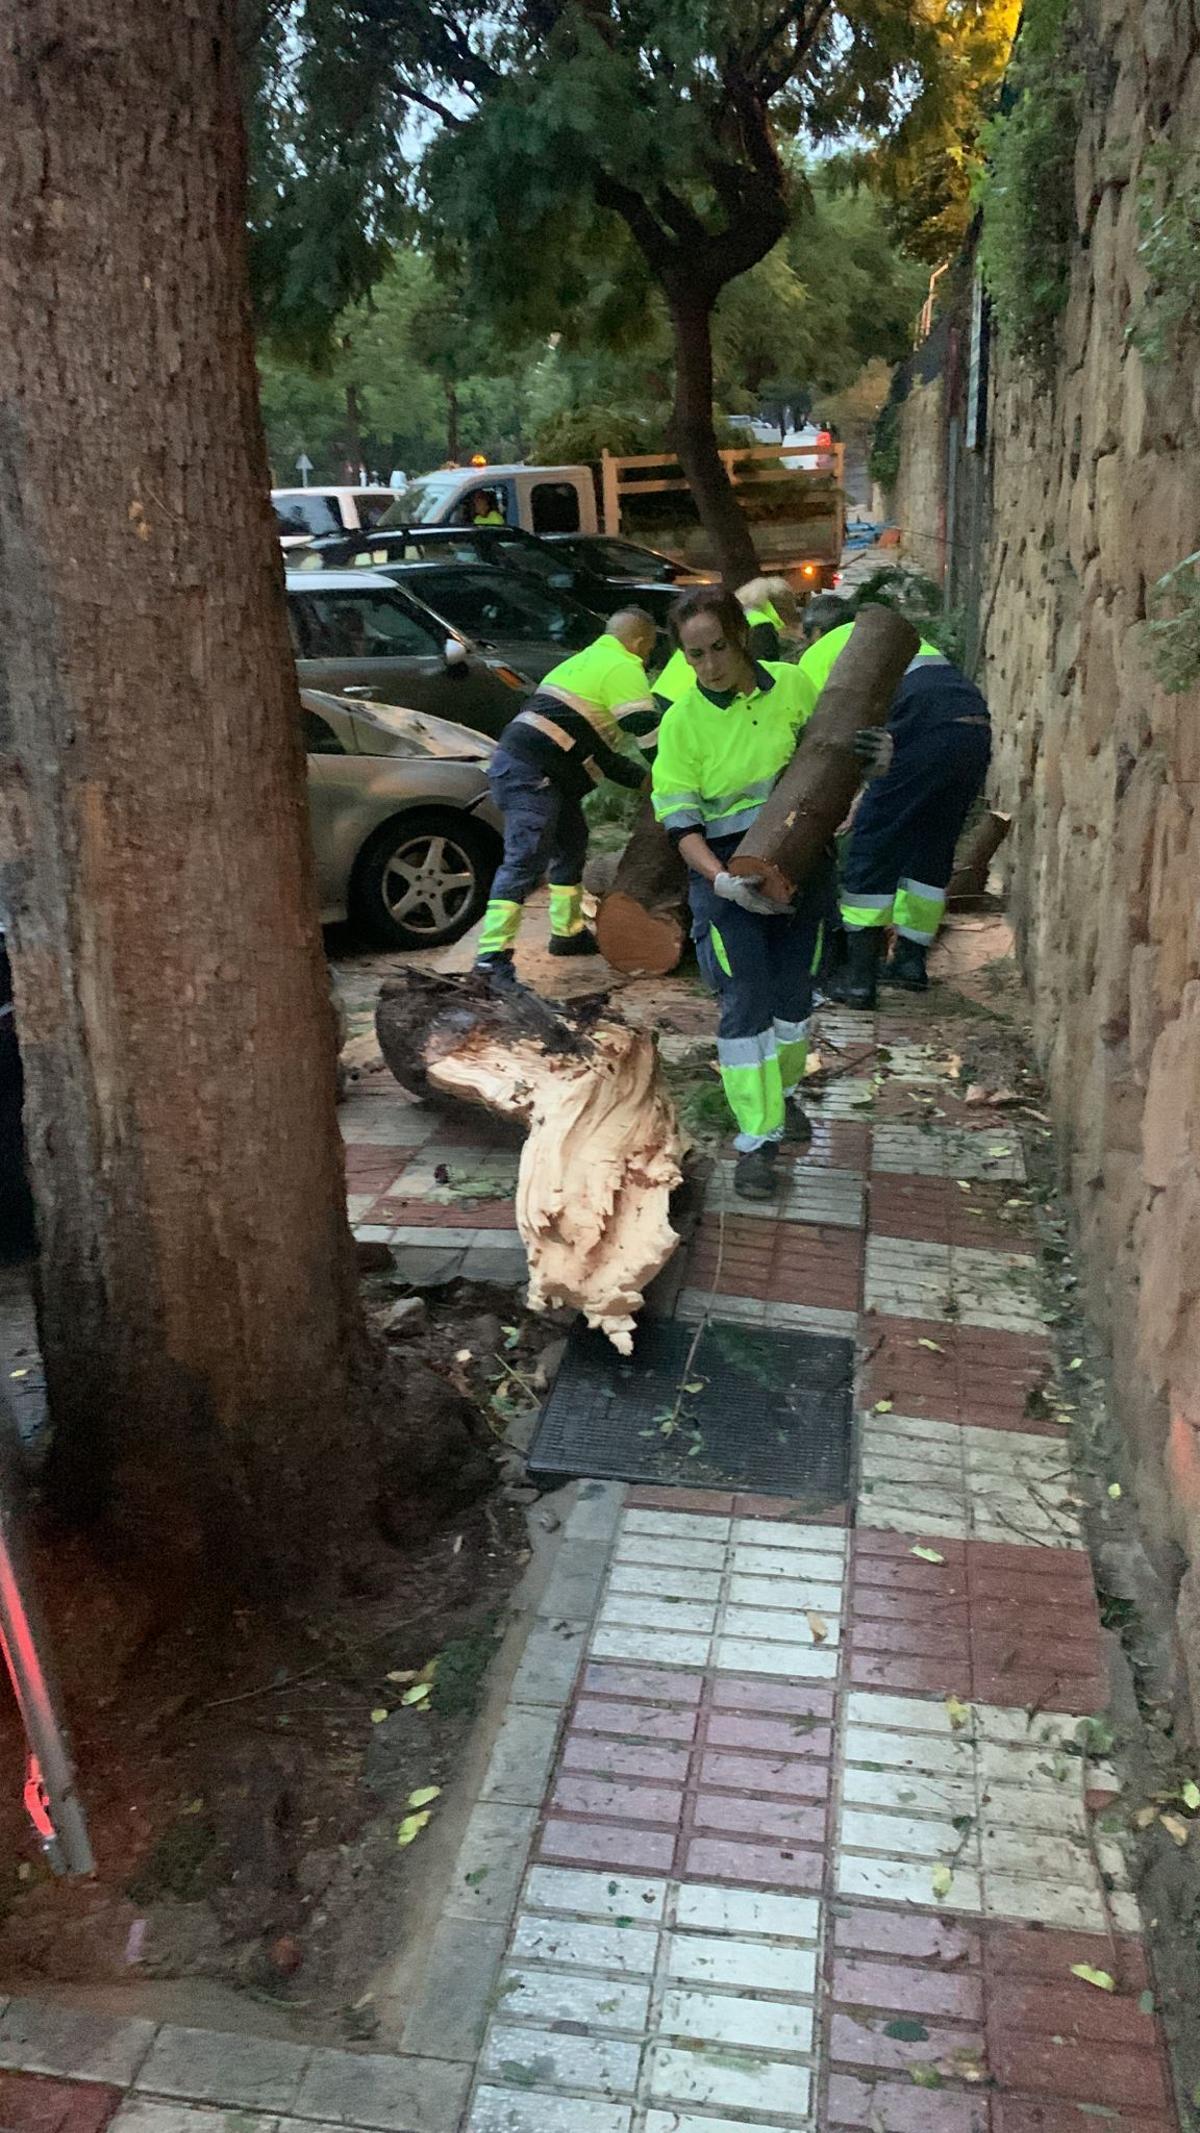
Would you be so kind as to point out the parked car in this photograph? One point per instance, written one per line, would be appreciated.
(301, 513)
(526, 625)
(356, 633)
(626, 565)
(406, 835)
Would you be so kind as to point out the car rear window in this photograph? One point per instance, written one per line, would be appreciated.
(312, 513)
(354, 625)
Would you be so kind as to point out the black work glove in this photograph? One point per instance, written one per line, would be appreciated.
(874, 748)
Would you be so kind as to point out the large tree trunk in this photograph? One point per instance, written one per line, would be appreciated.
(695, 439)
(795, 827)
(354, 442)
(641, 924)
(603, 1152)
(198, 1311)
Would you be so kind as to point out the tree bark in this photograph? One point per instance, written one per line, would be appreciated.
(793, 829)
(198, 1310)
(603, 1151)
(641, 924)
(694, 436)
(354, 443)
(451, 420)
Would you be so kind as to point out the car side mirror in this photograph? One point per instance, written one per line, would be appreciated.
(454, 653)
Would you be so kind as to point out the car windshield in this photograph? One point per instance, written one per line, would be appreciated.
(624, 559)
(488, 604)
(354, 625)
(306, 513)
(422, 500)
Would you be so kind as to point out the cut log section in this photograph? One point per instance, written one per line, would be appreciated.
(604, 1150)
(641, 925)
(975, 855)
(811, 798)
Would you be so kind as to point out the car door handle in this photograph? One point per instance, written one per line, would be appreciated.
(358, 688)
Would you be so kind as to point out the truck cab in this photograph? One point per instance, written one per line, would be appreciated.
(539, 499)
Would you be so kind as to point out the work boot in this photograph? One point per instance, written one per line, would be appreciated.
(754, 1174)
(498, 969)
(907, 966)
(797, 1125)
(583, 943)
(854, 984)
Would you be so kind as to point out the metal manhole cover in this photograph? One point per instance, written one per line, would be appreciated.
(768, 1412)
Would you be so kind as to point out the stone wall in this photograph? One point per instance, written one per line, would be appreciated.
(917, 504)
(1095, 492)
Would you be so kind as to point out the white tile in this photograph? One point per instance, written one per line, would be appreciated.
(910, 1791)
(1066, 1857)
(547, 2058)
(498, 2110)
(566, 1941)
(781, 1625)
(674, 1584)
(787, 1595)
(1078, 1910)
(741, 1655)
(900, 1835)
(811, 1318)
(653, 1549)
(777, 1533)
(923, 1752)
(1126, 1913)
(642, 1611)
(562, 1888)
(758, 1965)
(906, 1714)
(743, 2024)
(747, 1911)
(878, 1511)
(139, 2114)
(549, 1996)
(678, 1525)
(1030, 1806)
(685, 2122)
(751, 1561)
(637, 1647)
(695, 1304)
(906, 1881)
(770, 2085)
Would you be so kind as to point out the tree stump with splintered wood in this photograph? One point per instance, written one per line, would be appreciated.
(641, 925)
(975, 855)
(812, 796)
(603, 1149)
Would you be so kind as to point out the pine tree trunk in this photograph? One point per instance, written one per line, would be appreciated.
(641, 924)
(198, 1311)
(451, 420)
(354, 442)
(695, 438)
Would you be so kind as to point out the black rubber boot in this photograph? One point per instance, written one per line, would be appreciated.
(754, 1174)
(854, 984)
(584, 943)
(907, 966)
(797, 1125)
(498, 969)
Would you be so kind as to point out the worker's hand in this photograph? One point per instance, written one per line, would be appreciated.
(740, 889)
(874, 749)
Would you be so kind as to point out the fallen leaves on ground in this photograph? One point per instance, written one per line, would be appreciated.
(927, 1555)
(1099, 1978)
(818, 1625)
(958, 1713)
(942, 1880)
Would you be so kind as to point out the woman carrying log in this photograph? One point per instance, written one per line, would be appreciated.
(722, 744)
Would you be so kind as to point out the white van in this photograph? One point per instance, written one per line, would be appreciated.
(301, 513)
(541, 499)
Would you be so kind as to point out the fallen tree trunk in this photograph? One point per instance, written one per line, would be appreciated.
(603, 1151)
(975, 854)
(812, 795)
(642, 922)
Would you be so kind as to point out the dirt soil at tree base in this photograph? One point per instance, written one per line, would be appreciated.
(245, 1777)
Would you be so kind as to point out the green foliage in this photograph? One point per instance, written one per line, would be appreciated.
(1174, 629)
(1169, 251)
(928, 167)
(919, 600)
(1027, 191)
(883, 464)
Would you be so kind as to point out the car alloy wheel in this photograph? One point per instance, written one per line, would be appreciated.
(426, 883)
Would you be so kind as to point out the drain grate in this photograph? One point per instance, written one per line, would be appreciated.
(768, 1412)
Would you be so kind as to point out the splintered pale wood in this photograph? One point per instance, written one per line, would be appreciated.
(641, 925)
(975, 854)
(813, 794)
(603, 1149)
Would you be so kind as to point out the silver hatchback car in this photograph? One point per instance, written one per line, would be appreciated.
(406, 835)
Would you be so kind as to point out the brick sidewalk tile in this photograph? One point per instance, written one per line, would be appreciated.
(38, 2103)
(956, 1374)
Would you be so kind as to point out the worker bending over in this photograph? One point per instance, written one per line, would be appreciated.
(565, 740)
(900, 854)
(721, 746)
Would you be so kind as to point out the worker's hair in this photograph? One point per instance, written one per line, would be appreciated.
(630, 622)
(711, 600)
(824, 612)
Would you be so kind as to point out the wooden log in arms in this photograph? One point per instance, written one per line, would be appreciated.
(641, 924)
(975, 854)
(813, 793)
(603, 1149)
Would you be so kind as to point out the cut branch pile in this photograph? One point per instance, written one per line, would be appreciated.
(603, 1151)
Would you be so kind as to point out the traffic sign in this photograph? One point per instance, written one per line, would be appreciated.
(304, 467)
